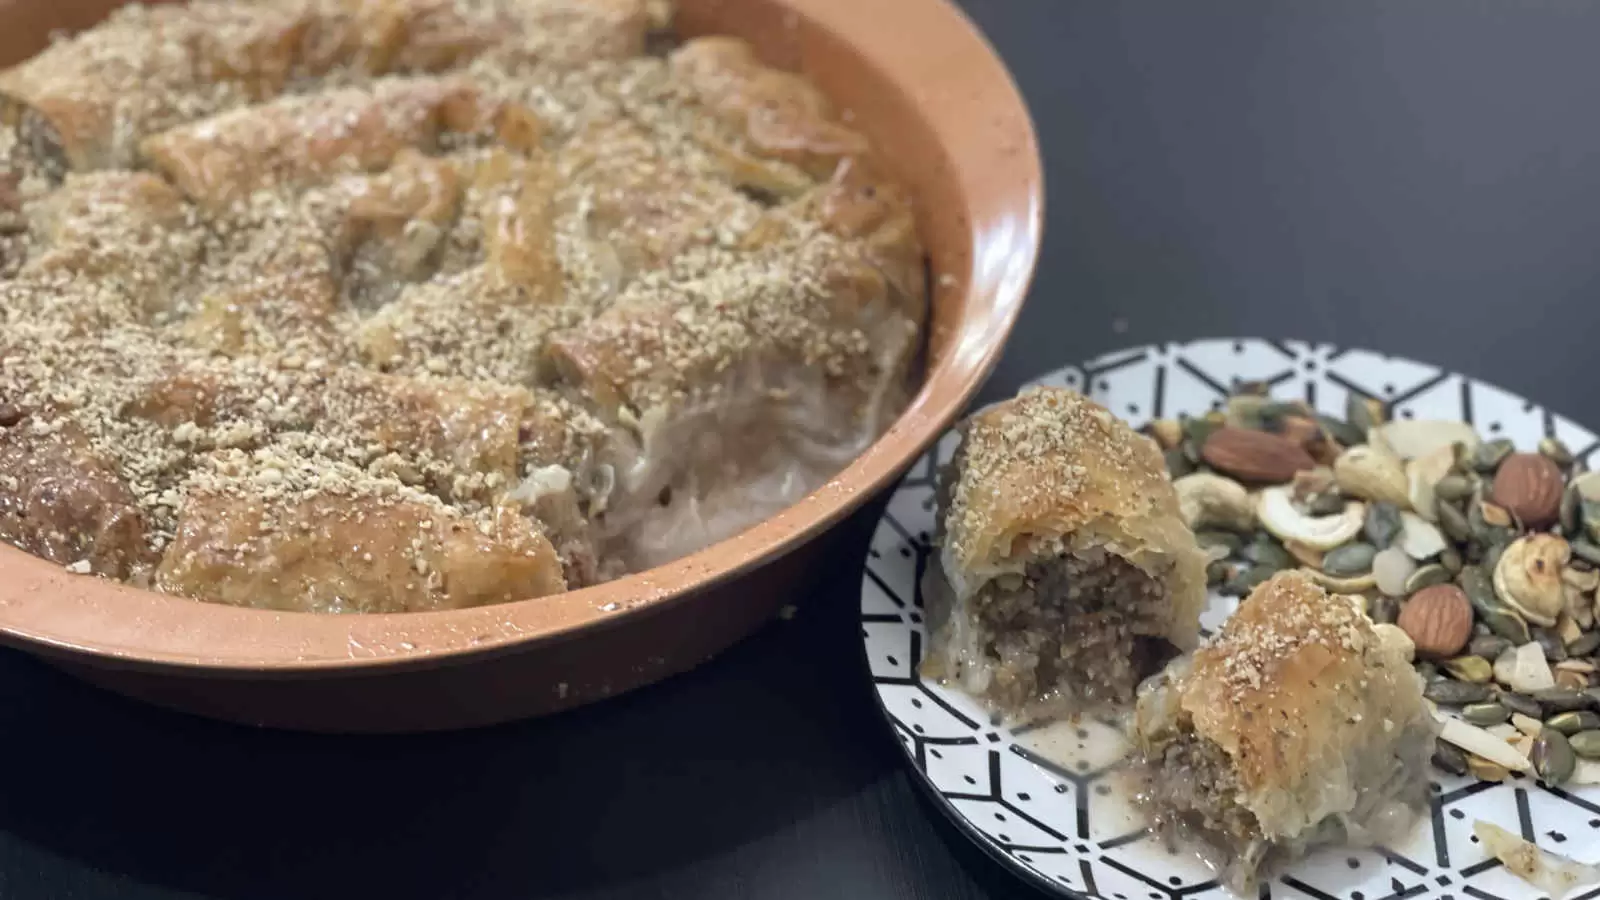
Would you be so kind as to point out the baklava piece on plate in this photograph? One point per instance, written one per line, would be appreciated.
(1294, 726)
(1065, 574)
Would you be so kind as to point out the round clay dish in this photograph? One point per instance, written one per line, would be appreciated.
(942, 110)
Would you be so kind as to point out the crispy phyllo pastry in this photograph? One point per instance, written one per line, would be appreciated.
(1294, 726)
(1065, 574)
(400, 305)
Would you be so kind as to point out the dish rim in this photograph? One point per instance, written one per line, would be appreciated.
(912, 43)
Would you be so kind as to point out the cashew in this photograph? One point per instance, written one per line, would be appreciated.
(1528, 577)
(1587, 485)
(1278, 515)
(1351, 587)
(1370, 473)
(1211, 501)
(1411, 438)
(1422, 474)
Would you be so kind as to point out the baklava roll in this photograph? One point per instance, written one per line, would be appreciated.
(1065, 573)
(768, 115)
(741, 388)
(86, 102)
(638, 206)
(301, 141)
(1296, 725)
(465, 441)
(273, 531)
(61, 500)
(110, 248)
(380, 37)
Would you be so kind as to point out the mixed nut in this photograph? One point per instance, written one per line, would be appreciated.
(1482, 562)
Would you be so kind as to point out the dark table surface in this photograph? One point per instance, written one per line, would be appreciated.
(1420, 178)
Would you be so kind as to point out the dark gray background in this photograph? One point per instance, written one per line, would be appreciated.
(1416, 176)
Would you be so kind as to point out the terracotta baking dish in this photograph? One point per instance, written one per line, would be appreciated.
(940, 106)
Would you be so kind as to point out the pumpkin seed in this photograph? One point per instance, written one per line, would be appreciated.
(1589, 511)
(1363, 413)
(1246, 580)
(1244, 411)
(1568, 517)
(1178, 463)
(1490, 454)
(1329, 504)
(1217, 572)
(1349, 560)
(1586, 744)
(1453, 522)
(1492, 554)
(1346, 434)
(1475, 582)
(1555, 649)
(1252, 387)
(1574, 721)
(1585, 645)
(1227, 540)
(1195, 433)
(1488, 646)
(1449, 758)
(1552, 757)
(1559, 699)
(1447, 692)
(1275, 413)
(1521, 704)
(1556, 452)
(1453, 488)
(1451, 559)
(1383, 610)
(1508, 625)
(1484, 770)
(1586, 551)
(1426, 576)
(1266, 552)
(1485, 714)
(1382, 524)
(1474, 669)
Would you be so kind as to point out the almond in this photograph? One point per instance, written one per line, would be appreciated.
(1438, 620)
(1529, 486)
(1255, 455)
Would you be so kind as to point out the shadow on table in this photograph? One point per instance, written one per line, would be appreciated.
(615, 793)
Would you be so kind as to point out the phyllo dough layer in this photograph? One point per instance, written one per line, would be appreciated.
(1296, 725)
(1065, 573)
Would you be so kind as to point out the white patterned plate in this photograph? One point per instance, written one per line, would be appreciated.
(1047, 801)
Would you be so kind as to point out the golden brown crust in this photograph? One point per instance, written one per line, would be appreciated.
(95, 95)
(1294, 686)
(368, 234)
(299, 141)
(62, 501)
(1051, 471)
(775, 114)
(332, 553)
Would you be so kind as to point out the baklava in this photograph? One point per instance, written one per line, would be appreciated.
(1065, 574)
(400, 305)
(1294, 726)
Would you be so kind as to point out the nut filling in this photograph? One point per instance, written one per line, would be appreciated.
(1076, 632)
